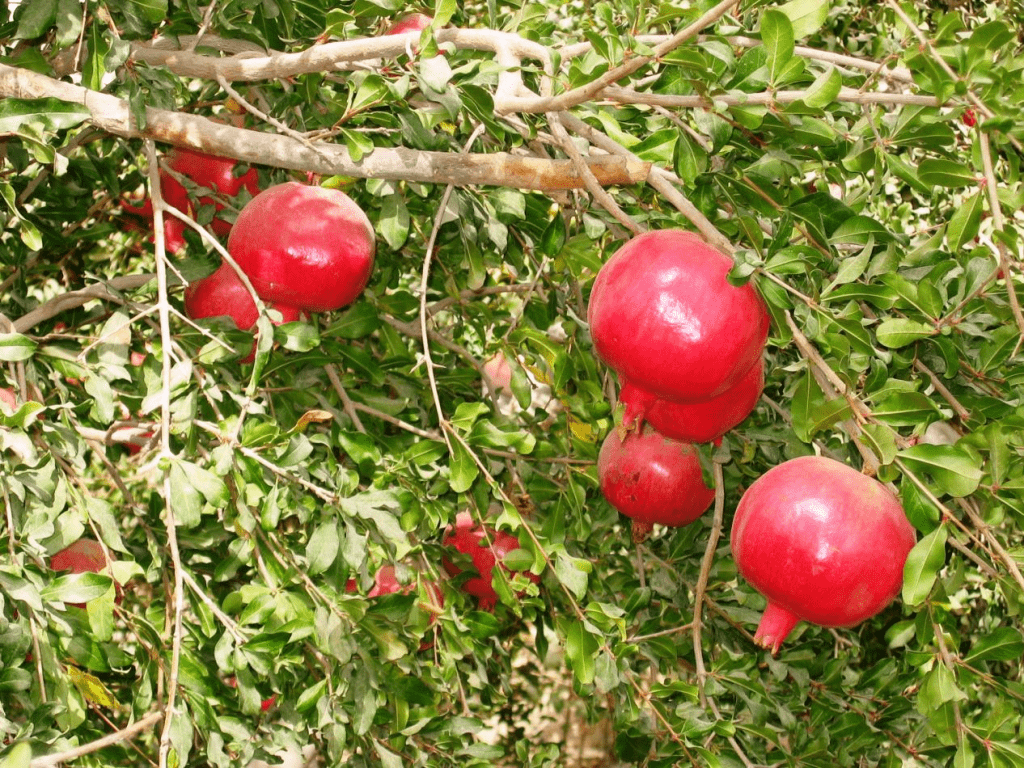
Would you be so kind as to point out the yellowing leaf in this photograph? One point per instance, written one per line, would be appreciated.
(581, 430)
(309, 417)
(92, 689)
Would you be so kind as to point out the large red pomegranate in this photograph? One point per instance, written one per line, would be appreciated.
(486, 547)
(223, 293)
(822, 542)
(652, 479)
(306, 247)
(663, 314)
(209, 171)
(694, 422)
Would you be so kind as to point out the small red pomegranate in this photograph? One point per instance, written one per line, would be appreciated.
(82, 556)
(663, 315)
(209, 171)
(822, 542)
(305, 247)
(8, 398)
(652, 479)
(471, 539)
(413, 22)
(694, 422)
(223, 293)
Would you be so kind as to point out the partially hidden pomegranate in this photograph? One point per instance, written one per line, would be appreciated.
(822, 542)
(663, 314)
(209, 171)
(305, 247)
(486, 547)
(8, 398)
(82, 556)
(385, 582)
(223, 293)
(412, 22)
(702, 422)
(652, 479)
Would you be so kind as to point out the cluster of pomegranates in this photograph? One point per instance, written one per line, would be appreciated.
(821, 541)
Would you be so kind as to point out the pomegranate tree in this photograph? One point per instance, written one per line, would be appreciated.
(652, 479)
(663, 314)
(702, 422)
(822, 542)
(486, 547)
(305, 247)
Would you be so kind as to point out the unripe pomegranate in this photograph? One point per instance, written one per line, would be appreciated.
(223, 293)
(694, 422)
(305, 247)
(413, 22)
(82, 556)
(822, 542)
(652, 479)
(472, 539)
(497, 374)
(8, 398)
(663, 315)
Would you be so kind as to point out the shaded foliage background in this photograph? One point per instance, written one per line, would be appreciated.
(875, 201)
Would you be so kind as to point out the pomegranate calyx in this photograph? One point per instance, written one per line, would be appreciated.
(636, 401)
(640, 531)
(776, 624)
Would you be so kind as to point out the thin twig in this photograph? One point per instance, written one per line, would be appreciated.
(346, 401)
(702, 579)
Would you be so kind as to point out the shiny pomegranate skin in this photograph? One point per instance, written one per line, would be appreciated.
(822, 542)
(702, 422)
(209, 171)
(663, 315)
(652, 479)
(223, 293)
(413, 22)
(470, 539)
(306, 247)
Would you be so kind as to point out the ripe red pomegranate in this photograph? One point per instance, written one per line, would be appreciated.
(209, 171)
(305, 247)
(471, 539)
(652, 479)
(413, 22)
(664, 316)
(694, 422)
(223, 293)
(82, 556)
(822, 542)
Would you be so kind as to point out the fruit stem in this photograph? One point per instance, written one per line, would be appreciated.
(776, 624)
(641, 531)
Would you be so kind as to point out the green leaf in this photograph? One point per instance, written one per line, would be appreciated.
(18, 756)
(778, 39)
(954, 470)
(322, 547)
(580, 648)
(946, 173)
(1002, 644)
(17, 115)
(35, 17)
(76, 587)
(94, 69)
(923, 564)
(443, 12)
(393, 222)
(899, 332)
(824, 89)
(858, 229)
(964, 224)
(14, 347)
(882, 440)
(998, 348)
(806, 16)
(463, 469)
(573, 573)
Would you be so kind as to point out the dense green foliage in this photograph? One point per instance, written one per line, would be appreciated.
(875, 205)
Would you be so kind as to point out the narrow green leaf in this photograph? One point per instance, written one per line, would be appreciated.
(882, 440)
(946, 173)
(14, 347)
(857, 229)
(923, 564)
(778, 39)
(998, 348)
(322, 548)
(899, 332)
(824, 89)
(1003, 644)
(580, 647)
(954, 470)
(393, 222)
(51, 113)
(964, 224)
(463, 469)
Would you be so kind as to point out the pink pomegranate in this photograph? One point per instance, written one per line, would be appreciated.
(8, 398)
(209, 171)
(497, 374)
(82, 556)
(305, 247)
(223, 293)
(472, 539)
(694, 422)
(664, 316)
(652, 479)
(822, 542)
